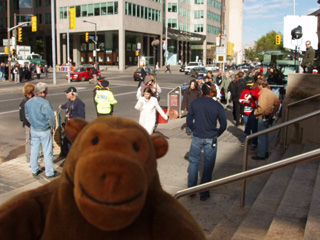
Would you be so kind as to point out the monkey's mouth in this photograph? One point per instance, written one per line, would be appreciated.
(110, 203)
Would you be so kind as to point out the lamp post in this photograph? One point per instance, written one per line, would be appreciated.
(95, 39)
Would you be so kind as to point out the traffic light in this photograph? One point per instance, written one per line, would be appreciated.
(72, 18)
(34, 23)
(13, 52)
(87, 37)
(19, 34)
(6, 50)
(230, 50)
(278, 39)
(137, 53)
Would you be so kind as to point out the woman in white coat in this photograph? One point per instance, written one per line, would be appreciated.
(147, 105)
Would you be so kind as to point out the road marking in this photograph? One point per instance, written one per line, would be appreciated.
(9, 112)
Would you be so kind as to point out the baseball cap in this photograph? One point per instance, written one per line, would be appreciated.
(71, 89)
(250, 82)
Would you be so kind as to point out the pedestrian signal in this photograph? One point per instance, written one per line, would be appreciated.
(34, 23)
(278, 39)
(72, 18)
(87, 37)
(19, 34)
(137, 53)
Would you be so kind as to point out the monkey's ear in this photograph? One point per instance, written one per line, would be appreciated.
(73, 127)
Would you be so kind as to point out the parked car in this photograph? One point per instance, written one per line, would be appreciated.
(82, 74)
(198, 71)
(137, 73)
(190, 66)
(212, 67)
(244, 66)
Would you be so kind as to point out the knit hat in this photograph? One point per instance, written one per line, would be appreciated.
(104, 83)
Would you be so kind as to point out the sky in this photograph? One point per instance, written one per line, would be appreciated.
(263, 16)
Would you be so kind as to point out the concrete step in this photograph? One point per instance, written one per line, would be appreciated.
(235, 215)
(312, 230)
(258, 220)
(291, 216)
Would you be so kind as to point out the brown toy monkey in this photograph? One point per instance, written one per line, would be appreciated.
(109, 189)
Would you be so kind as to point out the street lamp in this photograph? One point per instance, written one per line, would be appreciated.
(95, 38)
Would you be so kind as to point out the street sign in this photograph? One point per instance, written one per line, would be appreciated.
(221, 50)
(5, 42)
(138, 46)
(91, 37)
(221, 58)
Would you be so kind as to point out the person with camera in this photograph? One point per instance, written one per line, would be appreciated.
(74, 108)
(203, 115)
(268, 105)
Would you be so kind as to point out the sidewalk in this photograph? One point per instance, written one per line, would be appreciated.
(15, 175)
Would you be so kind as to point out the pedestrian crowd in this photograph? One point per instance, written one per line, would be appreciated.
(22, 73)
(254, 105)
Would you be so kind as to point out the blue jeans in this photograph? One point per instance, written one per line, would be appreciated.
(251, 125)
(263, 140)
(197, 145)
(45, 139)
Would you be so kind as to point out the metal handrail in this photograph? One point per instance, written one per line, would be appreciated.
(250, 173)
(287, 114)
(271, 129)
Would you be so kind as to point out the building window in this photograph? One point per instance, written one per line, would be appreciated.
(198, 14)
(47, 2)
(172, 23)
(90, 10)
(172, 7)
(78, 11)
(213, 29)
(198, 1)
(38, 3)
(103, 8)
(84, 10)
(139, 11)
(39, 18)
(47, 18)
(97, 9)
(215, 4)
(198, 28)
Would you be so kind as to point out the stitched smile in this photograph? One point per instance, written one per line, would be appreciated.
(109, 203)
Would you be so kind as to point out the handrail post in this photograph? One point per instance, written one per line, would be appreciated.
(245, 163)
(287, 115)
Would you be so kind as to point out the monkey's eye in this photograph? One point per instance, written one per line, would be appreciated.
(136, 147)
(95, 140)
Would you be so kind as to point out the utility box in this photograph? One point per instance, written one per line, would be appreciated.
(174, 99)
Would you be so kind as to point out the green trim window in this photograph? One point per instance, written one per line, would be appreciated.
(214, 17)
(198, 28)
(198, 14)
(172, 7)
(214, 3)
(135, 10)
(213, 29)
(198, 2)
(173, 23)
(94, 9)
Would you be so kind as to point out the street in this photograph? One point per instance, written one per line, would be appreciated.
(12, 137)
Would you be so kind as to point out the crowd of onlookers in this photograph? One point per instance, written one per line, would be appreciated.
(21, 73)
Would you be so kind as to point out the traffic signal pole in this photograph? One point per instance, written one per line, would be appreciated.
(8, 21)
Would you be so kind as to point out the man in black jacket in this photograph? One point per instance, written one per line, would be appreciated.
(28, 91)
(308, 58)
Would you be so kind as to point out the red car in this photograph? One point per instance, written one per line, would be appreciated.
(82, 74)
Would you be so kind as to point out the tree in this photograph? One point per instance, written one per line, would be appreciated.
(266, 42)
